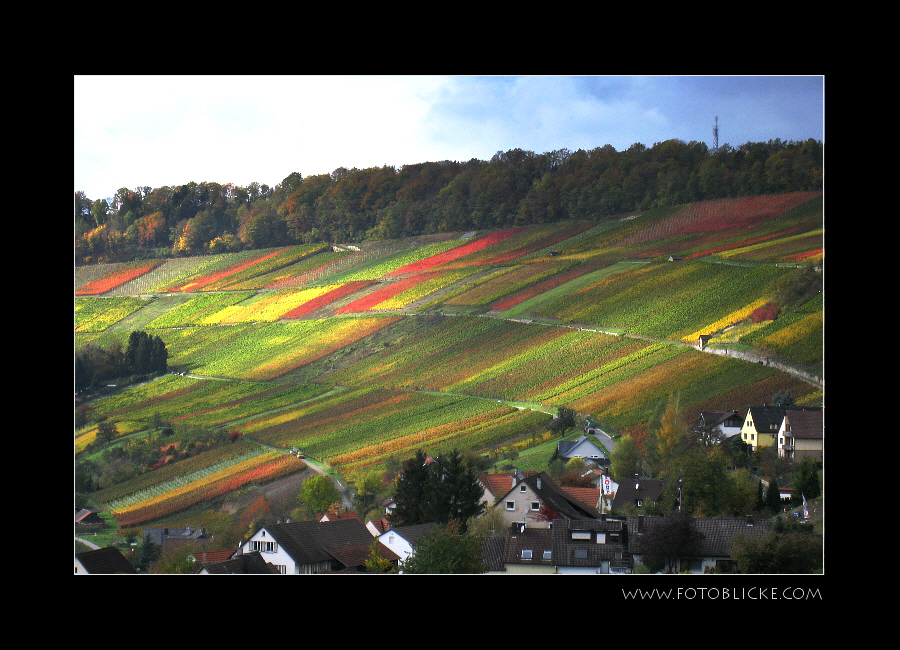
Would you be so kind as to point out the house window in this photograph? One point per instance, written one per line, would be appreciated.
(510, 505)
(526, 553)
(523, 488)
(535, 505)
(281, 568)
(615, 538)
(547, 554)
(639, 503)
(581, 534)
(601, 538)
(265, 547)
(580, 553)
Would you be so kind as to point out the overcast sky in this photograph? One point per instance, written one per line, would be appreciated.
(134, 131)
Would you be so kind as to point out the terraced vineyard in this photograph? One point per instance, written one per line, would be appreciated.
(467, 340)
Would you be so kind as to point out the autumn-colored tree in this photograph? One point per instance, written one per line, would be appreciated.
(672, 437)
(376, 562)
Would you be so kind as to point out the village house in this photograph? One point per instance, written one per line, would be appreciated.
(308, 547)
(612, 545)
(714, 551)
(583, 448)
(801, 435)
(534, 499)
(636, 494)
(728, 423)
(598, 546)
(169, 539)
(528, 550)
(403, 540)
(763, 427)
(88, 517)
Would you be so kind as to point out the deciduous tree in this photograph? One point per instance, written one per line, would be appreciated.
(669, 539)
(318, 493)
(446, 549)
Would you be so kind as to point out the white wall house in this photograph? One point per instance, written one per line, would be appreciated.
(403, 540)
(269, 548)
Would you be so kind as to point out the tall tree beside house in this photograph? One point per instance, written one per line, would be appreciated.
(670, 538)
(672, 437)
(773, 496)
(455, 493)
(439, 490)
(411, 493)
(146, 554)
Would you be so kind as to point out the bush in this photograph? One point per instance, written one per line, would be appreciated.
(769, 311)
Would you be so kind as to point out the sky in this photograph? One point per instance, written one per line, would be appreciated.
(141, 130)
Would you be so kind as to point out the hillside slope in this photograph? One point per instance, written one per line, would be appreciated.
(441, 340)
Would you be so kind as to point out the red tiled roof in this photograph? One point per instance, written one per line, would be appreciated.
(207, 557)
(588, 496)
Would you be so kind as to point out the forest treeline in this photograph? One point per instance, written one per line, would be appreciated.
(515, 187)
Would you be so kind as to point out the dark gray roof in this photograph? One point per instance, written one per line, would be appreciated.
(588, 552)
(537, 540)
(244, 563)
(718, 532)
(105, 560)
(630, 490)
(309, 542)
(414, 533)
(493, 552)
(766, 419)
(159, 535)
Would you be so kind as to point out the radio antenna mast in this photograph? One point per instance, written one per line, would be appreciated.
(716, 136)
